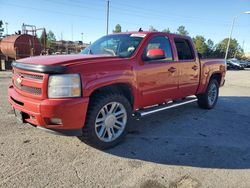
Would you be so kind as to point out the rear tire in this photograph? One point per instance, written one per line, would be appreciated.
(107, 120)
(209, 99)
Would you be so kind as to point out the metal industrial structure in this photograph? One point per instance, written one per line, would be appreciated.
(25, 43)
(20, 46)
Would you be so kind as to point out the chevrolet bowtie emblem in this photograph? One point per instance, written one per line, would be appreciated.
(19, 80)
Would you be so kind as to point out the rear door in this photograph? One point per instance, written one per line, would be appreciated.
(189, 68)
(157, 79)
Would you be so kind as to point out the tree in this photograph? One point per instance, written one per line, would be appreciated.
(166, 30)
(182, 31)
(205, 48)
(1, 28)
(210, 51)
(200, 45)
(118, 29)
(151, 28)
(50, 39)
(210, 44)
(43, 38)
(234, 49)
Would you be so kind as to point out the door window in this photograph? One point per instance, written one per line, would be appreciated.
(184, 49)
(159, 42)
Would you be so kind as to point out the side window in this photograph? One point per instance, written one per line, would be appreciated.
(184, 49)
(108, 47)
(160, 42)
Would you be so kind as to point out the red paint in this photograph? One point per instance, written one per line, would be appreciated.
(155, 53)
(151, 83)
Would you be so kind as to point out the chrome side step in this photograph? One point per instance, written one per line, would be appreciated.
(149, 111)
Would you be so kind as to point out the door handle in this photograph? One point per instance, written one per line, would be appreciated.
(195, 67)
(172, 69)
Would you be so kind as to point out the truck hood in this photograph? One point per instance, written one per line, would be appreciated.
(64, 59)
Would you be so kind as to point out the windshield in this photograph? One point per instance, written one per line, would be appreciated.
(122, 45)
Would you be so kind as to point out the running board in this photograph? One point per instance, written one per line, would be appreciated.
(151, 110)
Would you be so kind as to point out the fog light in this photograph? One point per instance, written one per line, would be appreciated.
(56, 121)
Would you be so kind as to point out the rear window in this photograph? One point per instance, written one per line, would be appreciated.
(184, 49)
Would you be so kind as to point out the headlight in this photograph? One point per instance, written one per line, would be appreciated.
(64, 85)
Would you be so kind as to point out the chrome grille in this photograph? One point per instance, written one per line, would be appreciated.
(28, 89)
(30, 76)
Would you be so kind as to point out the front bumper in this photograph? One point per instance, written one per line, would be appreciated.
(71, 111)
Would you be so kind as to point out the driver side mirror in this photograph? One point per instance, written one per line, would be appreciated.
(155, 54)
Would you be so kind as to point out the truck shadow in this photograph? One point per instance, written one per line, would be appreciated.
(189, 136)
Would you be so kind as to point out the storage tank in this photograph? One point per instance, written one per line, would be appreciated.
(20, 46)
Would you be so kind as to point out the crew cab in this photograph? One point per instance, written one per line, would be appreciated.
(95, 94)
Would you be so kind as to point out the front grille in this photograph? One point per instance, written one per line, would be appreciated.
(28, 89)
(30, 76)
(30, 83)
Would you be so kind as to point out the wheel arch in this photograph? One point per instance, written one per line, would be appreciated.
(123, 88)
(204, 83)
(217, 76)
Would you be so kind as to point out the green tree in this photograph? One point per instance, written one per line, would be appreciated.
(210, 44)
(151, 28)
(182, 31)
(118, 29)
(235, 49)
(166, 30)
(43, 39)
(1, 28)
(210, 51)
(50, 39)
(200, 45)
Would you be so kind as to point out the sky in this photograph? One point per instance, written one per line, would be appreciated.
(69, 18)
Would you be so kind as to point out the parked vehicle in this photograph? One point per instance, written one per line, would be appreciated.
(245, 64)
(94, 95)
(234, 65)
(241, 63)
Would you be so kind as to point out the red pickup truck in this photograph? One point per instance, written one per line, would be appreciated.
(95, 94)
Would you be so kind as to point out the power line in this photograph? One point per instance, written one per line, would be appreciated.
(90, 17)
(118, 11)
(50, 11)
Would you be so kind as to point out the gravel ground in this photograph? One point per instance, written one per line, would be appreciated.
(184, 147)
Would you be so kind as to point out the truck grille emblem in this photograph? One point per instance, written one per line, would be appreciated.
(19, 80)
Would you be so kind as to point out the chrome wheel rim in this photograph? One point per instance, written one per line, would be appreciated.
(111, 121)
(212, 94)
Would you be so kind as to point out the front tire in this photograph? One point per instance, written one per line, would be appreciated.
(209, 99)
(107, 120)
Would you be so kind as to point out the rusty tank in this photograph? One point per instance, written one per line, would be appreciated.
(20, 46)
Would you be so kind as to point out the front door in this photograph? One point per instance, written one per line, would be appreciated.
(157, 79)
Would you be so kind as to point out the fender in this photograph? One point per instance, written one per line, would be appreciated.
(93, 85)
(205, 79)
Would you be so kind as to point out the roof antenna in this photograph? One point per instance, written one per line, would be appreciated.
(140, 30)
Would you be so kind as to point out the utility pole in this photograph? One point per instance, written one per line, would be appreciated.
(243, 44)
(230, 36)
(82, 36)
(107, 27)
(6, 25)
(72, 38)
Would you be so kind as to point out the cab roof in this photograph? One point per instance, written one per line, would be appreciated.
(151, 33)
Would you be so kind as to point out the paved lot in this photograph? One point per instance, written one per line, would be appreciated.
(184, 147)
